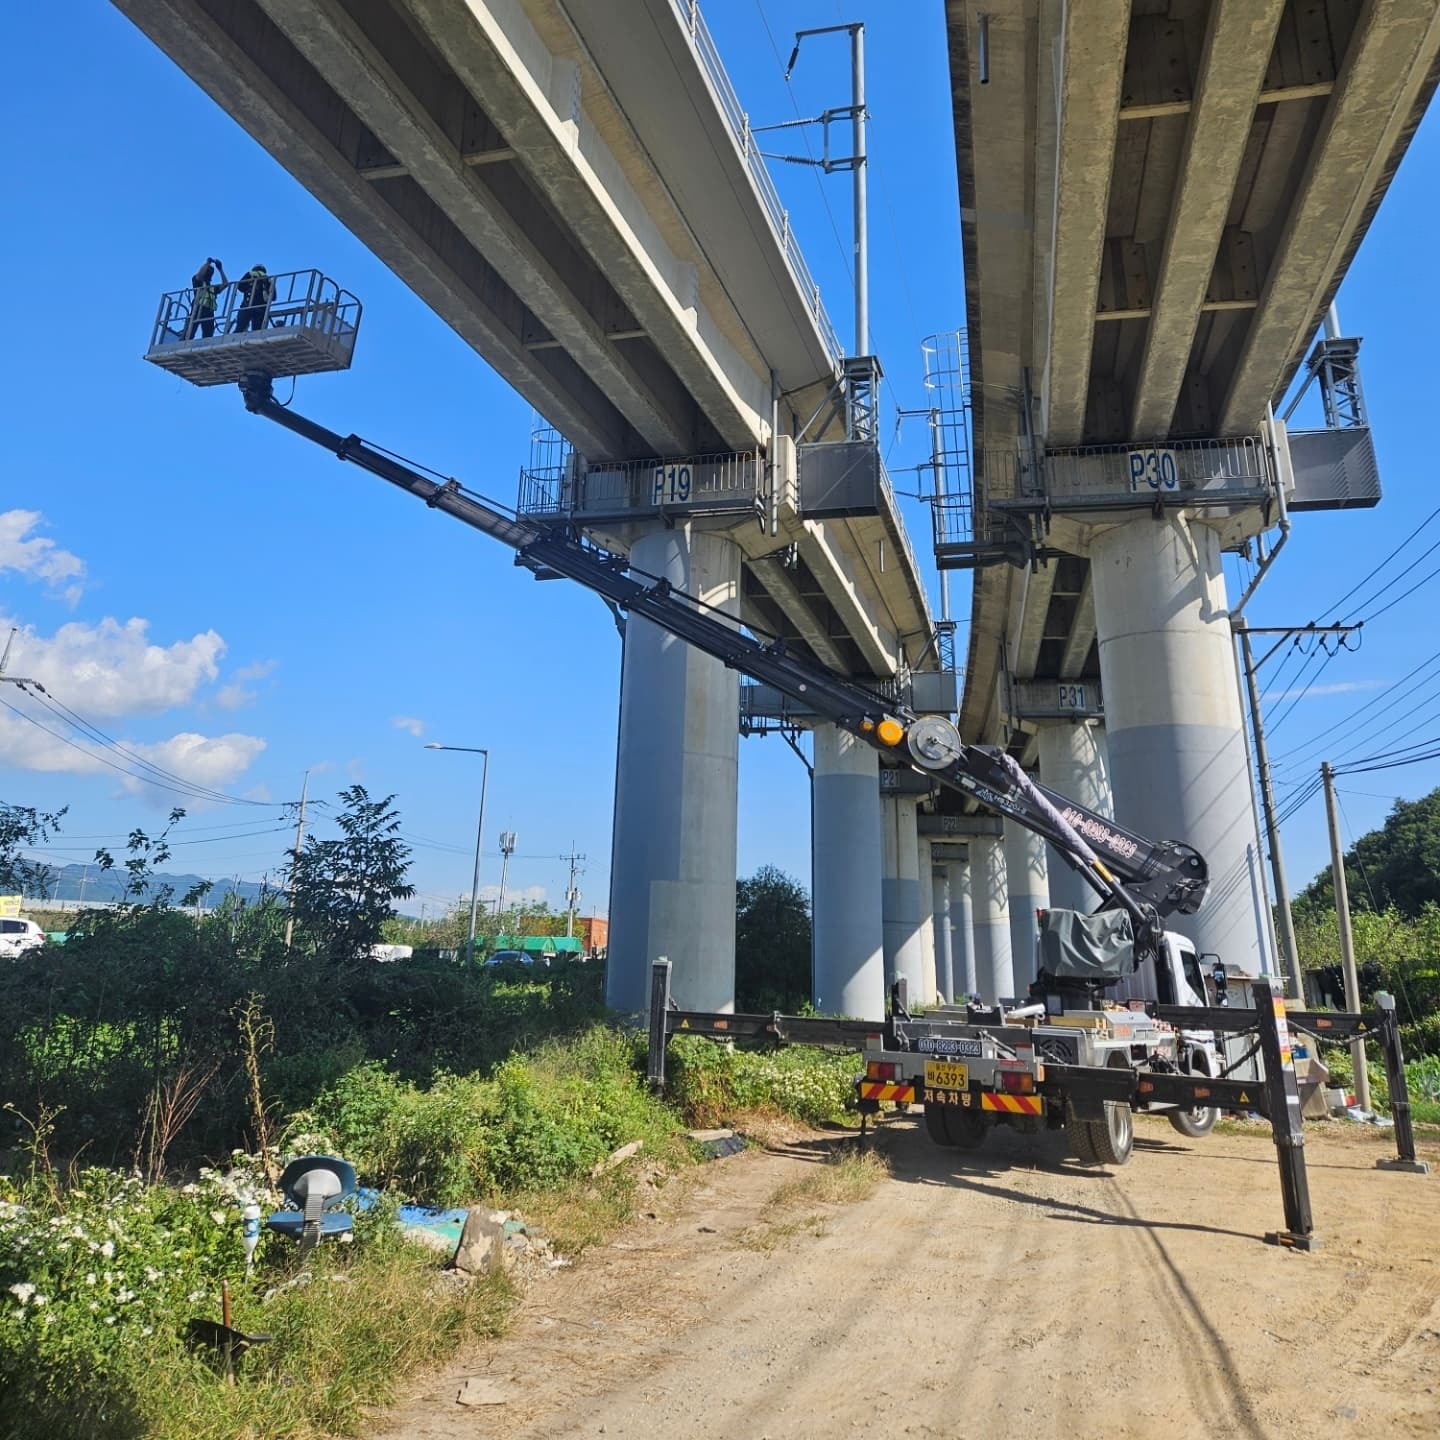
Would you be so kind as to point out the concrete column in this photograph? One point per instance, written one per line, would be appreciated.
(926, 878)
(672, 887)
(1075, 760)
(1172, 719)
(962, 936)
(990, 919)
(900, 891)
(944, 950)
(849, 956)
(1029, 891)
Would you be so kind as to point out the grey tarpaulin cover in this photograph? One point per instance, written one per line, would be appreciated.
(1086, 947)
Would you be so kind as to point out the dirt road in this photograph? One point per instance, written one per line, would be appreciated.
(973, 1295)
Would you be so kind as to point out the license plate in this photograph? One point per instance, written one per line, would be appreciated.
(947, 1075)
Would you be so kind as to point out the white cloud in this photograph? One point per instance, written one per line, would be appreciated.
(211, 760)
(529, 895)
(1343, 687)
(236, 693)
(408, 722)
(112, 668)
(38, 557)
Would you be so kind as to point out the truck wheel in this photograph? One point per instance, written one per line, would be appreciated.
(1114, 1136)
(937, 1123)
(1201, 1120)
(955, 1128)
(1080, 1142)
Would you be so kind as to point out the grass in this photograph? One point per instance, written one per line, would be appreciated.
(798, 1206)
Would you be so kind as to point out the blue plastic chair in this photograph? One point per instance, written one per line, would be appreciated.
(316, 1185)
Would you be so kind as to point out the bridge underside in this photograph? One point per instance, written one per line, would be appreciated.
(570, 197)
(1172, 191)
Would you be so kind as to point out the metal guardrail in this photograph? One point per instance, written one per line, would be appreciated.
(688, 12)
(696, 485)
(1185, 472)
(305, 324)
(300, 298)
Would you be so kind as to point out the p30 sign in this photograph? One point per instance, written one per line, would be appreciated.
(1153, 471)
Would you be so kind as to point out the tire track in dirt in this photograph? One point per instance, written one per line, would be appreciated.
(974, 1294)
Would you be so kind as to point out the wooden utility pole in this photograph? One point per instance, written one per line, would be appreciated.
(1347, 940)
(299, 837)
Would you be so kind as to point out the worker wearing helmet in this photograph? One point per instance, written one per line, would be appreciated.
(256, 289)
(204, 296)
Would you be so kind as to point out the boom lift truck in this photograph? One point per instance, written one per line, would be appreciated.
(1064, 1059)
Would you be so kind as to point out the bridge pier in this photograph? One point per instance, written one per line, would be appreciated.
(944, 945)
(1172, 718)
(1075, 761)
(900, 892)
(990, 916)
(962, 942)
(1029, 891)
(848, 974)
(926, 993)
(672, 886)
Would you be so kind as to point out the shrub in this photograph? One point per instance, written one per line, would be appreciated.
(710, 1081)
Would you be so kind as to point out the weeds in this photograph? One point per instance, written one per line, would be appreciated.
(846, 1178)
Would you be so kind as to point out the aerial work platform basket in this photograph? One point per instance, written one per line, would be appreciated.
(308, 325)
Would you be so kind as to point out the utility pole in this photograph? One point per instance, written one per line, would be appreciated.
(572, 895)
(1250, 666)
(299, 837)
(1347, 940)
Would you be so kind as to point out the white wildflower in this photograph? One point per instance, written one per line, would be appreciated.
(108, 1249)
(22, 1291)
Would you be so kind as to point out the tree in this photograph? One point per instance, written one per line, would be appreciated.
(21, 828)
(1397, 865)
(772, 942)
(343, 890)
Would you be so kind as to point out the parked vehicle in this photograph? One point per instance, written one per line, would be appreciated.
(19, 935)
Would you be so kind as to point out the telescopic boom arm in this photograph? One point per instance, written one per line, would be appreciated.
(1150, 879)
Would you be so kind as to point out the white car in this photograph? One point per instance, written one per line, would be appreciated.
(18, 936)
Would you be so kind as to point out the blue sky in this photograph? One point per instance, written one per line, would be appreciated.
(233, 606)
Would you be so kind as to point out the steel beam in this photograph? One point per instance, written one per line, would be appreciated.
(1389, 73)
(397, 109)
(1094, 42)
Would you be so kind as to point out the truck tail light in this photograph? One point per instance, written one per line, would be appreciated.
(1015, 1082)
(881, 1070)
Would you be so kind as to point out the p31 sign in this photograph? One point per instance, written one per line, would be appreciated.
(1153, 471)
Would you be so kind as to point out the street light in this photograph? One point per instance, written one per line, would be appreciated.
(479, 831)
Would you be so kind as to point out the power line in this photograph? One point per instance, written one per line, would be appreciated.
(1391, 556)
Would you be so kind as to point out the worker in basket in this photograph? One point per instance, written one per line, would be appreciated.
(204, 298)
(257, 290)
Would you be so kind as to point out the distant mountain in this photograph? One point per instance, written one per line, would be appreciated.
(76, 883)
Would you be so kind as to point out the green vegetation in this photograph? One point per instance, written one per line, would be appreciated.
(772, 943)
(1395, 867)
(157, 1039)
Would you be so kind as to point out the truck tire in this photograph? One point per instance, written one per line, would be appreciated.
(955, 1128)
(1200, 1121)
(1114, 1136)
(937, 1124)
(1081, 1144)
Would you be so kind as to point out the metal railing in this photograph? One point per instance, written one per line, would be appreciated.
(1183, 472)
(688, 12)
(694, 485)
(303, 299)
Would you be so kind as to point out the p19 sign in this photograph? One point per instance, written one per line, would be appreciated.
(1153, 470)
(670, 485)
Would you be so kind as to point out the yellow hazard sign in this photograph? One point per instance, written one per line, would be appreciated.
(10, 906)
